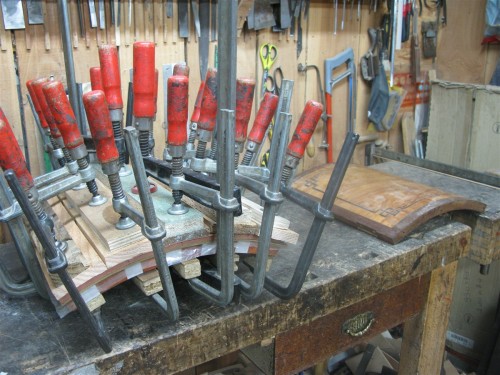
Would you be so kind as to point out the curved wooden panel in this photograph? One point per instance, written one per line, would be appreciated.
(381, 204)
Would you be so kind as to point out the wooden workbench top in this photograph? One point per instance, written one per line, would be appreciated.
(349, 267)
(485, 242)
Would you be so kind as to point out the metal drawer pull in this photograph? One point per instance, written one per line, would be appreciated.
(359, 324)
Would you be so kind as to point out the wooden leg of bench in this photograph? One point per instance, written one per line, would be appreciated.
(424, 335)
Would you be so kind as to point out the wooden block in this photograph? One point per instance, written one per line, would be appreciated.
(189, 269)
(149, 282)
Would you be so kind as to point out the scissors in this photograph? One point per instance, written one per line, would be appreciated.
(275, 81)
(268, 54)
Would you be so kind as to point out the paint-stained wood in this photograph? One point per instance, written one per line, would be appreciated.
(304, 346)
(386, 206)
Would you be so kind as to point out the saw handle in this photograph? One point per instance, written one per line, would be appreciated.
(110, 72)
(197, 104)
(11, 156)
(208, 111)
(305, 128)
(100, 125)
(264, 117)
(177, 109)
(244, 100)
(63, 114)
(96, 78)
(144, 79)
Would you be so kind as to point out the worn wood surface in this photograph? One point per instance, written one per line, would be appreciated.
(349, 266)
(422, 351)
(304, 346)
(386, 206)
(485, 241)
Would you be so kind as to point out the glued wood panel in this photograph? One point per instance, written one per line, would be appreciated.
(383, 205)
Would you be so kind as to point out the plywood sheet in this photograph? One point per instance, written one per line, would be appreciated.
(386, 206)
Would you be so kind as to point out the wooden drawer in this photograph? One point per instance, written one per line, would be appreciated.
(311, 343)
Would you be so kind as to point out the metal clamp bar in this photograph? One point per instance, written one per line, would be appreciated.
(51, 253)
(317, 226)
(151, 227)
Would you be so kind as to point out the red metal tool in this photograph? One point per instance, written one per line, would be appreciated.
(244, 101)
(301, 137)
(96, 78)
(11, 156)
(177, 112)
(107, 153)
(208, 113)
(144, 79)
(145, 92)
(101, 129)
(36, 104)
(65, 119)
(181, 69)
(110, 72)
(261, 123)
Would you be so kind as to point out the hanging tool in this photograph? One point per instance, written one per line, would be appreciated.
(213, 22)
(335, 21)
(268, 54)
(285, 20)
(204, 36)
(93, 13)
(369, 61)
(66, 122)
(301, 137)
(102, 16)
(183, 9)
(177, 113)
(359, 10)
(263, 15)
(415, 47)
(112, 87)
(79, 7)
(13, 17)
(394, 19)
(35, 12)
(244, 100)
(195, 13)
(345, 58)
(169, 8)
(260, 125)
(144, 78)
(343, 15)
(96, 78)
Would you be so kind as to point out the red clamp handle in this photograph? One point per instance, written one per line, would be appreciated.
(177, 110)
(96, 78)
(181, 69)
(157, 75)
(195, 116)
(305, 128)
(63, 114)
(36, 104)
(47, 113)
(101, 129)
(264, 117)
(244, 100)
(144, 79)
(11, 156)
(208, 112)
(110, 72)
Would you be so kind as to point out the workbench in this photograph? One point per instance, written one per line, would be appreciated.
(352, 273)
